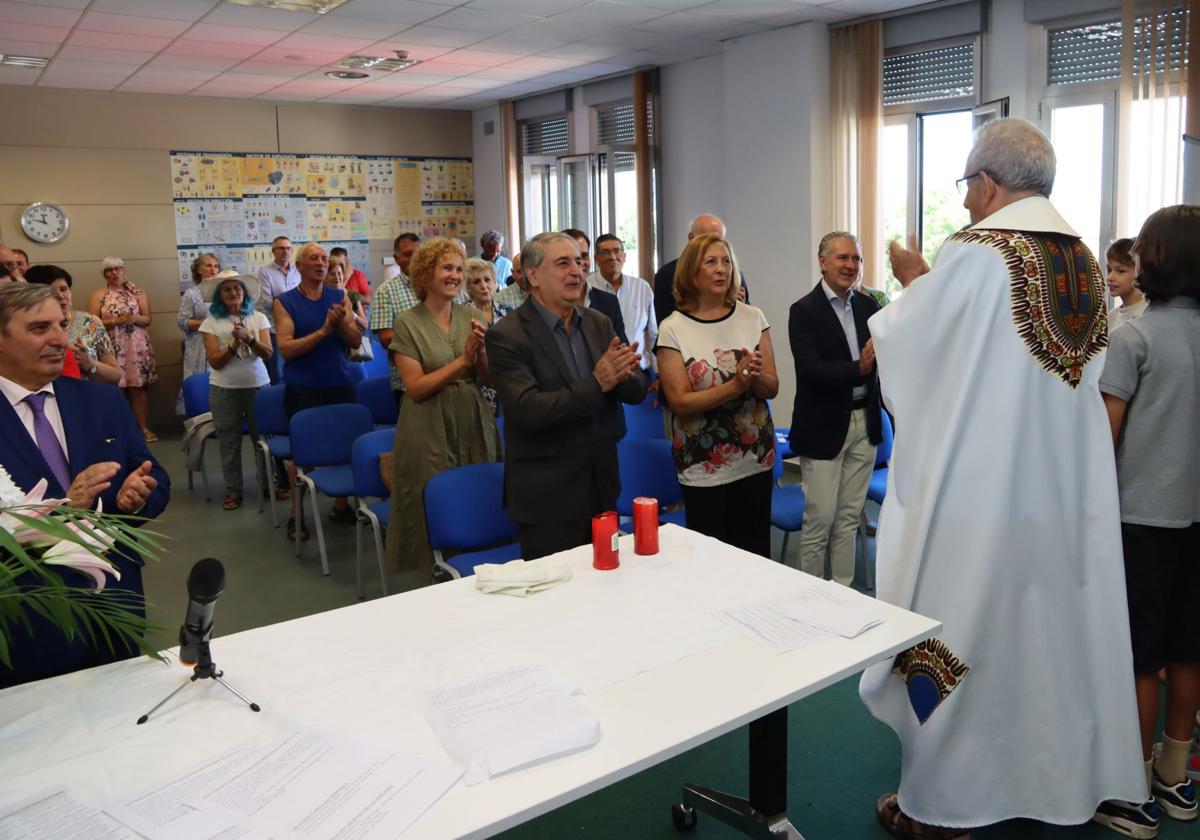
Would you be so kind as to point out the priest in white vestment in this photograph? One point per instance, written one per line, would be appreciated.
(1001, 518)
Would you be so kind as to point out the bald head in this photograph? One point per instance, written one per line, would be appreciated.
(706, 223)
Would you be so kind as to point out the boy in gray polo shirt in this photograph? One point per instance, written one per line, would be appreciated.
(1151, 388)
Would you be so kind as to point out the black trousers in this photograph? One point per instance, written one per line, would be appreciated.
(738, 513)
(550, 538)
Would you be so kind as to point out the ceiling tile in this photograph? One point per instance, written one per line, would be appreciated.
(388, 87)
(627, 39)
(407, 11)
(12, 46)
(805, 14)
(141, 43)
(680, 5)
(540, 8)
(586, 52)
(104, 56)
(488, 22)
(478, 82)
(84, 81)
(149, 85)
(438, 36)
(307, 58)
(170, 9)
(544, 63)
(18, 75)
(422, 78)
(555, 31)
(314, 87)
(686, 24)
(509, 74)
(176, 74)
(128, 24)
(325, 43)
(35, 34)
(211, 49)
(481, 58)
(234, 34)
(868, 7)
(421, 52)
(38, 15)
(193, 62)
(230, 14)
(65, 4)
(448, 68)
(248, 81)
(354, 27)
(612, 13)
(72, 66)
(519, 40)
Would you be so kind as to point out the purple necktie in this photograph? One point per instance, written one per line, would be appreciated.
(47, 441)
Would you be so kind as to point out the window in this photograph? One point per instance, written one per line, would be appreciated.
(1092, 52)
(541, 141)
(617, 177)
(927, 95)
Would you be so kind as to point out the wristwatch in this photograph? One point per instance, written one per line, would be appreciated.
(95, 367)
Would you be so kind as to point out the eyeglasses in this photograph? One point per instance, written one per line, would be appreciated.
(964, 182)
(610, 252)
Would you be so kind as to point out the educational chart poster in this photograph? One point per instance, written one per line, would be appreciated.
(234, 204)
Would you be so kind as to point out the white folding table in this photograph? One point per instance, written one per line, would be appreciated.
(354, 671)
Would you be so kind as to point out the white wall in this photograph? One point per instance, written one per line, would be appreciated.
(490, 211)
(1010, 59)
(692, 121)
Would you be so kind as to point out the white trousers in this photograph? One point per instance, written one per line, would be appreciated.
(834, 493)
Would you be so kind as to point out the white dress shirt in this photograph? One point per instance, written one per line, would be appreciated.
(16, 394)
(636, 298)
(845, 315)
(274, 281)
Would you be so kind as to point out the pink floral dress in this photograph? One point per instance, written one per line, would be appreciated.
(131, 343)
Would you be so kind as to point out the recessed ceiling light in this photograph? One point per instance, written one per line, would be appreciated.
(319, 7)
(23, 61)
(379, 62)
(346, 74)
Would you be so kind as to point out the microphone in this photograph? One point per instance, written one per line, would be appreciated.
(205, 584)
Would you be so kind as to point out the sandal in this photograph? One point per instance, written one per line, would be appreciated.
(233, 501)
(291, 530)
(149, 436)
(899, 824)
(283, 494)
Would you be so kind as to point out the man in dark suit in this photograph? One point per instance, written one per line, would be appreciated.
(835, 419)
(81, 436)
(561, 374)
(605, 303)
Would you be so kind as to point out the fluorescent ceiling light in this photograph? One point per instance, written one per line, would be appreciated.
(378, 62)
(319, 7)
(23, 61)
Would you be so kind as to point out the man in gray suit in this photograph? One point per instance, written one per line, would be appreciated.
(561, 374)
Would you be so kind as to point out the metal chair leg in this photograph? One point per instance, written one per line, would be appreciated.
(320, 531)
(358, 552)
(783, 548)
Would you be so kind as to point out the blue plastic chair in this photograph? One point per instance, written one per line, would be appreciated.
(643, 421)
(464, 512)
(368, 484)
(322, 440)
(876, 491)
(787, 506)
(195, 403)
(376, 394)
(647, 469)
(273, 441)
(378, 366)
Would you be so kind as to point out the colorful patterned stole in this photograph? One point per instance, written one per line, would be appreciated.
(1056, 294)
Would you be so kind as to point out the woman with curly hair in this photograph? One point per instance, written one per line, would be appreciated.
(717, 369)
(444, 421)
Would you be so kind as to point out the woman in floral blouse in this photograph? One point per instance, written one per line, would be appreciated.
(717, 369)
(124, 309)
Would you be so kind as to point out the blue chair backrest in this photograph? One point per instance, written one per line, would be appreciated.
(378, 366)
(324, 436)
(647, 469)
(269, 414)
(464, 508)
(195, 394)
(364, 462)
(376, 394)
(643, 421)
(883, 452)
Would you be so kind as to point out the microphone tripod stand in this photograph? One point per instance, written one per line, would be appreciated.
(205, 669)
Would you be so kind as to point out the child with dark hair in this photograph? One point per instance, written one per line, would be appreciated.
(1120, 274)
(1151, 388)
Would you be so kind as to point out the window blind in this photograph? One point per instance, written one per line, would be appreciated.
(927, 75)
(546, 137)
(614, 124)
(1092, 52)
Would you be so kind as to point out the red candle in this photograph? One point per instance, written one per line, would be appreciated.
(645, 525)
(604, 541)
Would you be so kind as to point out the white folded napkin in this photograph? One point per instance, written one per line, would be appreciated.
(518, 577)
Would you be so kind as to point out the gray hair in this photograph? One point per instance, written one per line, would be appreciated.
(491, 236)
(475, 267)
(1015, 154)
(19, 297)
(196, 264)
(111, 262)
(534, 251)
(828, 239)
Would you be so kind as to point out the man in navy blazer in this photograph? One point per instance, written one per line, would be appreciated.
(103, 455)
(835, 419)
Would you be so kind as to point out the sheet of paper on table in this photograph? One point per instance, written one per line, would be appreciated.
(507, 719)
(794, 619)
(60, 814)
(300, 784)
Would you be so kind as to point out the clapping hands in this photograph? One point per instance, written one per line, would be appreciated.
(474, 343)
(617, 364)
(749, 369)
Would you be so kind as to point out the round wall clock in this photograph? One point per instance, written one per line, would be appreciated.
(44, 222)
